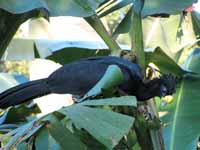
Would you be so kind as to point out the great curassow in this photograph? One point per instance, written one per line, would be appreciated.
(78, 77)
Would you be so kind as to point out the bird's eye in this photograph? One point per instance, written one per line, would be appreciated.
(163, 90)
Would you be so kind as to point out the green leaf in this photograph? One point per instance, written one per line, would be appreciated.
(22, 146)
(124, 25)
(85, 8)
(106, 126)
(98, 26)
(44, 141)
(20, 49)
(88, 139)
(32, 130)
(164, 62)
(136, 147)
(10, 23)
(164, 29)
(182, 118)
(23, 133)
(113, 7)
(21, 6)
(7, 81)
(6, 127)
(115, 101)
(111, 79)
(170, 34)
(165, 6)
(68, 51)
(19, 136)
(196, 24)
(154, 6)
(13, 132)
(63, 136)
(184, 50)
(19, 114)
(79, 8)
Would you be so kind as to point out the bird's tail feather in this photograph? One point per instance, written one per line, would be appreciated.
(23, 93)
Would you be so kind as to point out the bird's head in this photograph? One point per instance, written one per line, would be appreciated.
(168, 84)
(161, 87)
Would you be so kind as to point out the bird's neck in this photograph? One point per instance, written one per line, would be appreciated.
(149, 89)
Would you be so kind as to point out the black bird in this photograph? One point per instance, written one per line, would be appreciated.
(79, 77)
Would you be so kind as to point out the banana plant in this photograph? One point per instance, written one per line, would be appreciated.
(145, 22)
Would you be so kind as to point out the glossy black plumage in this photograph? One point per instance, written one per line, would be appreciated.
(78, 77)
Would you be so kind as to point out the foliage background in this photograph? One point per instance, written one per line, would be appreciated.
(172, 44)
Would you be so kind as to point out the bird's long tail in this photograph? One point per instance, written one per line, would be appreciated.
(23, 93)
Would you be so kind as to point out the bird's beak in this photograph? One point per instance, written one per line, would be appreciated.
(166, 100)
